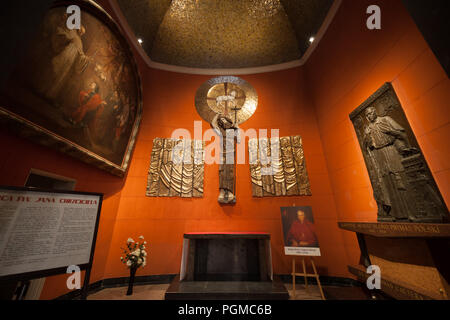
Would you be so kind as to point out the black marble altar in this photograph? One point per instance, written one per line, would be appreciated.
(227, 290)
(227, 266)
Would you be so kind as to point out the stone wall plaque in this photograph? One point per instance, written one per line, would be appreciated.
(176, 168)
(403, 185)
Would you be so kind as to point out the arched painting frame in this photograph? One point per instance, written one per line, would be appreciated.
(77, 91)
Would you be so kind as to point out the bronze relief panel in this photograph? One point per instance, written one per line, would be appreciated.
(176, 168)
(277, 167)
(402, 183)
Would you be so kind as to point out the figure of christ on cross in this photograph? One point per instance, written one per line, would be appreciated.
(228, 131)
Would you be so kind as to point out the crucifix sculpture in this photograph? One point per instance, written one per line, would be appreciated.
(228, 132)
(225, 102)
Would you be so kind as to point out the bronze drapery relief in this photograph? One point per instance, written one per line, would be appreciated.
(176, 168)
(277, 167)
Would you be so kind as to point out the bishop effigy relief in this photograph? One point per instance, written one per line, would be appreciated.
(403, 185)
(225, 102)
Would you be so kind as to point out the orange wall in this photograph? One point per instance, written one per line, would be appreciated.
(352, 62)
(169, 104)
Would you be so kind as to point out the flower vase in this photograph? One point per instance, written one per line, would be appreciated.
(131, 282)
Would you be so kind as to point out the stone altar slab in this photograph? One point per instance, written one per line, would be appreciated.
(226, 265)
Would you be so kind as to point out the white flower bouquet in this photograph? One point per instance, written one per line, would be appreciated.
(135, 253)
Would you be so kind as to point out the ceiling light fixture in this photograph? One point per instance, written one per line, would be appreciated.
(311, 40)
(140, 41)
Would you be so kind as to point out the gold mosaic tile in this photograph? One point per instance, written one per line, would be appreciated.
(224, 33)
(144, 18)
(306, 17)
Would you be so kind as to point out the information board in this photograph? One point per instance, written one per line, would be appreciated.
(43, 232)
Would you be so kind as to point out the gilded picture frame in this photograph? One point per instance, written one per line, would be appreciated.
(77, 91)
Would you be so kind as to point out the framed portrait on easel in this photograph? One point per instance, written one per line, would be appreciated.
(300, 238)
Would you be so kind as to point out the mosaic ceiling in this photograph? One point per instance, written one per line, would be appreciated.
(224, 33)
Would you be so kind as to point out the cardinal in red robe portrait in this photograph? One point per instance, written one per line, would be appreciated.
(301, 233)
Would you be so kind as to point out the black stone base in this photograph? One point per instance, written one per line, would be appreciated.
(168, 278)
(227, 290)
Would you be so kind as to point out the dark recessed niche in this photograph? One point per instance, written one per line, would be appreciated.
(227, 260)
(45, 180)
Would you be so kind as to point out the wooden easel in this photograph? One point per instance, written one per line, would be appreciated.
(306, 275)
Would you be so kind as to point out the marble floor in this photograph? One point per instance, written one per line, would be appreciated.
(140, 292)
(157, 291)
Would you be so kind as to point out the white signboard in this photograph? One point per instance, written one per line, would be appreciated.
(42, 230)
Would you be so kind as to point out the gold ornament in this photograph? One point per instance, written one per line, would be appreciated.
(226, 95)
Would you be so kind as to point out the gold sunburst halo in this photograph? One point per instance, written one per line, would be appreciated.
(227, 95)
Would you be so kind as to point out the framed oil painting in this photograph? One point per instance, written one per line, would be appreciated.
(77, 91)
(300, 238)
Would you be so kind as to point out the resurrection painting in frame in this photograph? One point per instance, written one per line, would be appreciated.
(300, 237)
(77, 90)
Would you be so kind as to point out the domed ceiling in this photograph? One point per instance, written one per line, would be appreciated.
(224, 33)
